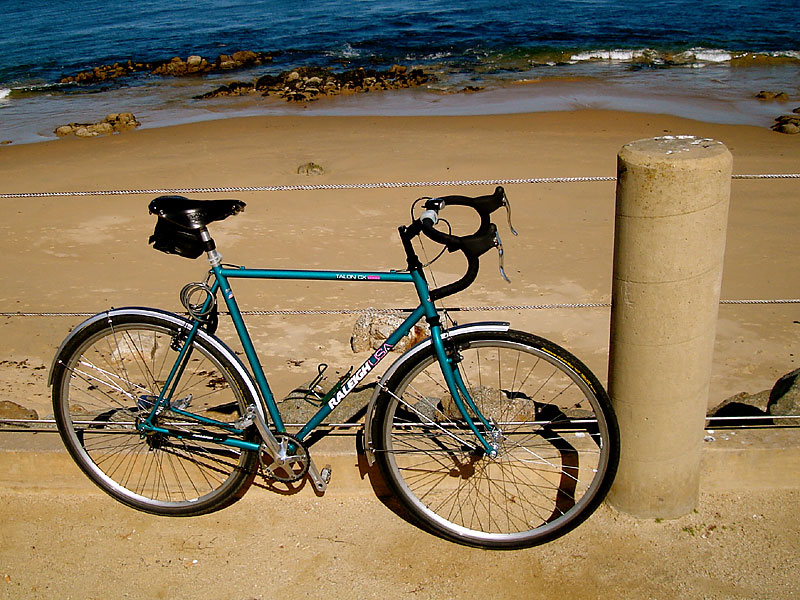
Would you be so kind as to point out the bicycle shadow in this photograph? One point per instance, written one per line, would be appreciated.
(566, 455)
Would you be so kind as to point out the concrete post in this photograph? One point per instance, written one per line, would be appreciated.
(671, 219)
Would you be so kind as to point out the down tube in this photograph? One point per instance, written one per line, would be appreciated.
(362, 372)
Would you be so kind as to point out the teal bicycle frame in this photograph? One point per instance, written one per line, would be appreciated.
(221, 276)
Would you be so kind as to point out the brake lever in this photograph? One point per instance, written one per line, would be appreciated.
(499, 245)
(507, 205)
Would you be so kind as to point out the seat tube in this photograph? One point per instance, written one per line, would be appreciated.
(247, 346)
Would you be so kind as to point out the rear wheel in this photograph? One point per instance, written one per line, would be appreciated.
(108, 377)
(552, 423)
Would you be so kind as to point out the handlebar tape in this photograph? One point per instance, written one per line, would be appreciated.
(474, 245)
(483, 205)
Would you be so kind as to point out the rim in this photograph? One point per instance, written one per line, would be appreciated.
(106, 387)
(528, 482)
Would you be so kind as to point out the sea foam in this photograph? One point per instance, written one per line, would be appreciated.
(709, 55)
(620, 55)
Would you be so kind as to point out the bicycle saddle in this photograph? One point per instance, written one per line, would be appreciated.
(194, 214)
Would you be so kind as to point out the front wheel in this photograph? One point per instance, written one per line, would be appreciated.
(107, 378)
(552, 425)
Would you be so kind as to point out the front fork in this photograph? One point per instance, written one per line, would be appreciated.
(449, 359)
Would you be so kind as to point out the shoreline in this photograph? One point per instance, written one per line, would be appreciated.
(711, 98)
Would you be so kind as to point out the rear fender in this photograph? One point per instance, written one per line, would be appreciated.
(137, 311)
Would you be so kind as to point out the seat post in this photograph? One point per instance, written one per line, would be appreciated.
(214, 257)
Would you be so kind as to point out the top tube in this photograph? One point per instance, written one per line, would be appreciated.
(316, 275)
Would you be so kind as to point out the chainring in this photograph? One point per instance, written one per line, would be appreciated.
(291, 465)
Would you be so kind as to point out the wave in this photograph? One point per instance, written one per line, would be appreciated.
(4, 93)
(706, 55)
(692, 56)
(345, 51)
(612, 55)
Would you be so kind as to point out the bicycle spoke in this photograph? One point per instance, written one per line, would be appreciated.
(97, 400)
(548, 428)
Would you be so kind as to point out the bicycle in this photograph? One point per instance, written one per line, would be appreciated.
(487, 436)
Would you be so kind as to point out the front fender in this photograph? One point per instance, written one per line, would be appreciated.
(410, 354)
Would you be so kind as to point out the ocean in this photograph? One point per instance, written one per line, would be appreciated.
(697, 59)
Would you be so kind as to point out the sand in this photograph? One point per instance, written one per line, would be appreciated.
(737, 545)
(84, 254)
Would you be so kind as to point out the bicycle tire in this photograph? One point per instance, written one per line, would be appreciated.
(103, 379)
(558, 446)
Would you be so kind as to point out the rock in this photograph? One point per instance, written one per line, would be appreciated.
(372, 328)
(84, 132)
(787, 124)
(113, 123)
(106, 72)
(758, 400)
(492, 400)
(768, 95)
(268, 82)
(123, 121)
(237, 88)
(784, 398)
(300, 404)
(12, 410)
(175, 67)
(740, 405)
(64, 130)
(310, 169)
(102, 128)
(311, 83)
(790, 128)
(245, 57)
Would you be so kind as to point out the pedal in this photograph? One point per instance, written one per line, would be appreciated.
(319, 478)
(325, 474)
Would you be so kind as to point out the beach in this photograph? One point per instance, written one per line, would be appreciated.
(84, 254)
(76, 254)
